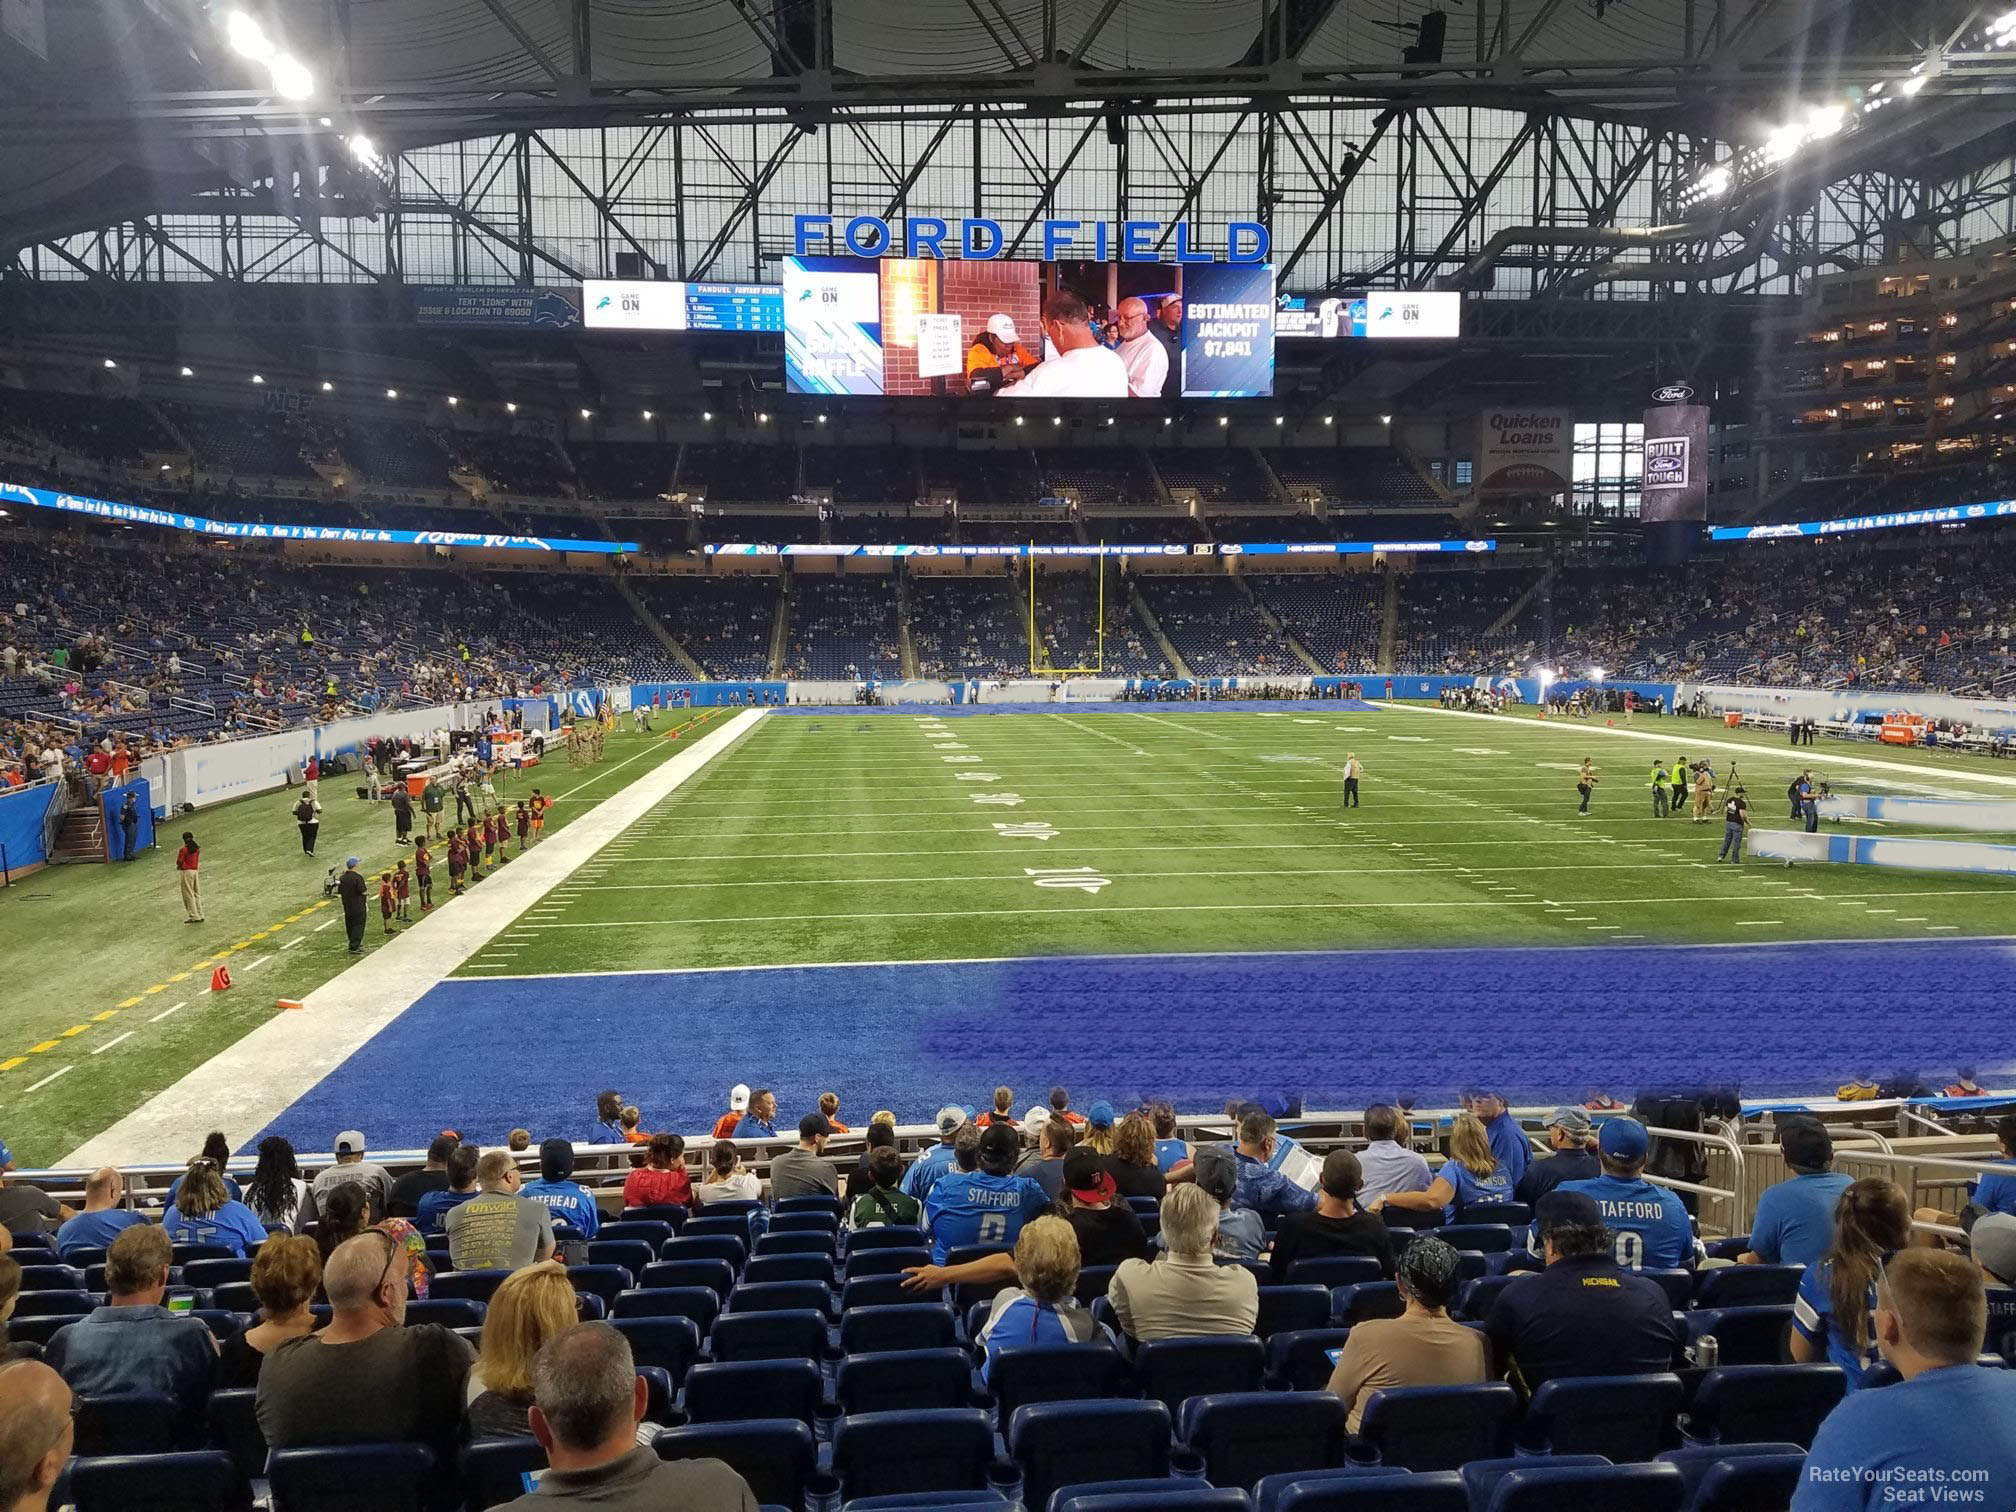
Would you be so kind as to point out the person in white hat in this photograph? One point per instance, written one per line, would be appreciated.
(997, 356)
(738, 1104)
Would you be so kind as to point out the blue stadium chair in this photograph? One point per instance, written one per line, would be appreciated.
(1171, 1370)
(1877, 1376)
(776, 1456)
(706, 1247)
(733, 1208)
(1286, 1307)
(197, 1481)
(1056, 1373)
(716, 1226)
(669, 1212)
(1485, 1238)
(791, 1268)
(1678, 1284)
(671, 1344)
(781, 1296)
(1246, 1435)
(37, 1330)
(743, 1390)
(1513, 1214)
(651, 1231)
(807, 1204)
(1748, 1286)
(892, 1261)
(1481, 1477)
(224, 1324)
(799, 1244)
(1364, 1301)
(232, 1424)
(657, 1394)
(1752, 1483)
(54, 1304)
(57, 1278)
(1075, 1443)
(42, 1244)
(1298, 1359)
(1695, 1460)
(141, 1422)
(905, 1325)
(804, 1223)
(604, 1281)
(891, 1236)
(1149, 1496)
(1334, 1270)
(1437, 1427)
(948, 1449)
(1590, 1488)
(1746, 1335)
(184, 1254)
(904, 1380)
(1093, 1282)
(83, 1254)
(698, 1303)
(881, 1291)
(960, 1254)
(206, 1275)
(1145, 1207)
(717, 1276)
(769, 1336)
(1474, 1298)
(1624, 1418)
(590, 1308)
(478, 1285)
(632, 1254)
(1764, 1404)
(1260, 1274)
(932, 1501)
(1362, 1491)
(449, 1312)
(494, 1471)
(384, 1477)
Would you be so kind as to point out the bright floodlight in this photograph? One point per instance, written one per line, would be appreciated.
(328, 387)
(1595, 674)
(291, 79)
(361, 147)
(1783, 142)
(510, 409)
(453, 401)
(110, 363)
(391, 393)
(1912, 85)
(246, 37)
(188, 372)
(1714, 182)
(1824, 121)
(586, 413)
(647, 415)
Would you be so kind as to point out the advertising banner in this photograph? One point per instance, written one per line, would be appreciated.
(1525, 451)
(1228, 331)
(495, 307)
(1674, 483)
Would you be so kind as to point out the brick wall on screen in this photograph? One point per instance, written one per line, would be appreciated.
(973, 291)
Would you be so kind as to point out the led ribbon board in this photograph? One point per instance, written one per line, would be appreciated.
(1958, 514)
(1219, 548)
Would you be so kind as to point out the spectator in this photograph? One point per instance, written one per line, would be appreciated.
(1107, 1230)
(1388, 1165)
(352, 1166)
(217, 1150)
(409, 1189)
(1649, 1223)
(276, 1194)
(1336, 1226)
(1242, 1234)
(1831, 1316)
(1993, 1243)
(805, 1171)
(726, 1180)
(368, 1376)
(1583, 1315)
(1509, 1144)
(1041, 1307)
(1948, 1414)
(760, 1121)
(662, 1180)
(530, 1307)
(498, 1229)
(987, 1206)
(286, 1274)
(1132, 1162)
(103, 1218)
(26, 1209)
(1170, 1151)
(10, 1297)
(1263, 1189)
(1003, 1110)
(37, 1433)
(435, 1206)
(1994, 1191)
(880, 1136)
(1099, 1127)
(346, 1213)
(937, 1160)
(631, 1122)
(518, 1141)
(1573, 1141)
(1060, 1107)
(572, 1204)
(608, 1119)
(1795, 1218)
(880, 1201)
(203, 1214)
(1044, 1164)
(587, 1400)
(1424, 1346)
(1185, 1292)
(829, 1106)
(1470, 1175)
(738, 1104)
(133, 1343)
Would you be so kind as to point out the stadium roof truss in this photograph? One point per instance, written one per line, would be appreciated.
(537, 141)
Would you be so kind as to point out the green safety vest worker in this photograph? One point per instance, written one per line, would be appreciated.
(330, 690)
(465, 651)
(1658, 774)
(307, 636)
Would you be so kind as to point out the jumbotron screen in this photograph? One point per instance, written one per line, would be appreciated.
(999, 330)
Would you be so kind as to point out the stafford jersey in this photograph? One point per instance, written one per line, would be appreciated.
(972, 1207)
(1649, 1227)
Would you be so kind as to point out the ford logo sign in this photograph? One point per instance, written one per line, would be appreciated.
(1672, 393)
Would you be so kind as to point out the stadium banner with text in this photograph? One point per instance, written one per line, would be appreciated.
(1228, 332)
(1219, 548)
(1673, 483)
(979, 239)
(496, 307)
(1956, 514)
(1370, 315)
(646, 305)
(247, 530)
(1525, 451)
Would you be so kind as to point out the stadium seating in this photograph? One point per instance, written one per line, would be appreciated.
(1216, 627)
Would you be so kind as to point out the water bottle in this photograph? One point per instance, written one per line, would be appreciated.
(1707, 1351)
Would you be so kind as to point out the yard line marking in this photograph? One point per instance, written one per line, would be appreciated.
(100, 1050)
(165, 1012)
(1942, 926)
(258, 963)
(292, 943)
(1747, 923)
(1594, 927)
(59, 1071)
(325, 924)
(1914, 919)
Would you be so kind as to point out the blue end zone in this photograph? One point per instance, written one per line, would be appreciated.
(1180, 706)
(1342, 1029)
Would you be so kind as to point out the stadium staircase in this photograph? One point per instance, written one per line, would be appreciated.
(780, 628)
(1542, 584)
(906, 650)
(1162, 642)
(1273, 620)
(1278, 491)
(1434, 484)
(80, 835)
(658, 631)
(1389, 622)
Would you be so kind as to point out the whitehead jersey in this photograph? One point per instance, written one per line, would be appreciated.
(972, 1207)
(570, 1205)
(1648, 1225)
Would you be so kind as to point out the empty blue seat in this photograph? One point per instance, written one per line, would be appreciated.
(781, 1296)
(1364, 1300)
(1481, 1477)
(59, 1278)
(1624, 1418)
(183, 1254)
(37, 1330)
(776, 1456)
(208, 1274)
(494, 1471)
(949, 1449)
(1334, 1270)
(671, 1344)
(931, 1501)
(1438, 1427)
(231, 1422)
(1513, 1214)
(1764, 1404)
(810, 1203)
(1486, 1238)
(1748, 1286)
(652, 1231)
(1590, 1488)
(604, 1281)
(1695, 1460)
(632, 1254)
(735, 1207)
(341, 1478)
(1149, 1496)
(706, 1247)
(892, 1261)
(1474, 1299)
(1286, 1307)
(890, 1236)
(796, 1222)
(480, 1285)
(905, 1325)
(739, 1390)
(1750, 1483)
(42, 1244)
(1678, 1285)
(1246, 1435)
(791, 1268)
(1072, 1443)
(695, 1302)
(1298, 1359)
(718, 1276)
(449, 1312)
(236, 1296)
(905, 1380)
(141, 1422)
(54, 1304)
(769, 1336)
(1093, 1281)
(799, 1244)
(881, 1291)
(716, 1226)
(1171, 1370)
(1746, 1335)
(1362, 1491)
(1056, 1373)
(666, 1212)
(199, 1481)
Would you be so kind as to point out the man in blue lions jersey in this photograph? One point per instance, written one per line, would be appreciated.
(1648, 1224)
(569, 1200)
(987, 1206)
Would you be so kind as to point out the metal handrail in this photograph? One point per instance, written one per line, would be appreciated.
(1932, 1125)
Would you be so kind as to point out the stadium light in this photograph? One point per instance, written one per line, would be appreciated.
(1595, 674)
(647, 414)
(1109, 419)
(1018, 419)
(1167, 421)
(328, 387)
(246, 37)
(256, 378)
(1385, 419)
(453, 401)
(1329, 419)
(391, 393)
(762, 418)
(1912, 85)
(1278, 419)
(822, 419)
(1056, 419)
(1783, 142)
(587, 414)
(510, 408)
(1714, 182)
(291, 79)
(110, 363)
(1824, 121)
(1224, 419)
(706, 414)
(188, 372)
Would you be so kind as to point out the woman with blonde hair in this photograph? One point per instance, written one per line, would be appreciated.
(1098, 1135)
(205, 1213)
(530, 1307)
(1471, 1174)
(1041, 1307)
(286, 1274)
(1132, 1163)
(1837, 1295)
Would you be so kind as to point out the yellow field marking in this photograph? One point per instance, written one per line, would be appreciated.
(259, 936)
(157, 987)
(180, 976)
(9, 1065)
(131, 1002)
(109, 1013)
(241, 944)
(45, 1045)
(74, 1030)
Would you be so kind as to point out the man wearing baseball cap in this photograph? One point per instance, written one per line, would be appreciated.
(984, 1207)
(352, 1166)
(1649, 1224)
(1107, 1230)
(1795, 1217)
(1242, 1233)
(569, 1201)
(935, 1162)
(1584, 1315)
(738, 1104)
(997, 356)
(1993, 1241)
(1573, 1142)
(805, 1171)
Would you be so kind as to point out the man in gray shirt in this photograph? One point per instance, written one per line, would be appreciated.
(1388, 1165)
(352, 1166)
(805, 1171)
(497, 1229)
(1044, 1165)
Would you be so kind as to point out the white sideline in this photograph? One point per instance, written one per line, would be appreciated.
(247, 1086)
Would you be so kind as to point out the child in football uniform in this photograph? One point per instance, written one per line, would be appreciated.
(458, 862)
(540, 803)
(489, 839)
(475, 852)
(524, 818)
(386, 901)
(423, 875)
(402, 889)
